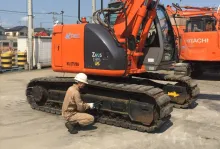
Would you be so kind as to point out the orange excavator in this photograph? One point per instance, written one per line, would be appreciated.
(198, 39)
(118, 53)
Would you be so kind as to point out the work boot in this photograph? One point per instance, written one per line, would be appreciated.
(72, 127)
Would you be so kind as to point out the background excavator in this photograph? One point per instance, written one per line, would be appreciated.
(198, 32)
(117, 53)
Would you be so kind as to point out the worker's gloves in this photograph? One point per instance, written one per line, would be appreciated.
(97, 105)
(91, 105)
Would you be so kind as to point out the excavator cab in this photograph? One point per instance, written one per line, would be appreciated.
(160, 51)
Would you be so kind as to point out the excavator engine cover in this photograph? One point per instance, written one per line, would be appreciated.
(87, 47)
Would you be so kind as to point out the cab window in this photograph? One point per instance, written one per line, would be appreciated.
(165, 27)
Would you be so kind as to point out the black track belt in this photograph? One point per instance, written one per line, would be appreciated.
(191, 86)
(54, 106)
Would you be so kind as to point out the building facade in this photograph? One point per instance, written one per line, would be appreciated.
(16, 31)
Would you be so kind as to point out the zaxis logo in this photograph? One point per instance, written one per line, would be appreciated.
(72, 36)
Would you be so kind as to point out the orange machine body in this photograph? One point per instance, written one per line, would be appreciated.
(196, 46)
(91, 49)
(68, 53)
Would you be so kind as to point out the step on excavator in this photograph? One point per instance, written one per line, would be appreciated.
(116, 57)
(198, 32)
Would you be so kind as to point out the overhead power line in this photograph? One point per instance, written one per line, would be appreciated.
(23, 12)
(40, 13)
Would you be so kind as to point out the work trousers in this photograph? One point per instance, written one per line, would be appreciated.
(83, 119)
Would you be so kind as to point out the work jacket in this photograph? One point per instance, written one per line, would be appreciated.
(73, 102)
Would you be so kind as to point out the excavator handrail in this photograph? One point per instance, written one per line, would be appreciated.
(191, 8)
(79, 10)
(191, 11)
(200, 8)
(176, 6)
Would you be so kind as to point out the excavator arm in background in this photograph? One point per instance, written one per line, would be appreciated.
(188, 11)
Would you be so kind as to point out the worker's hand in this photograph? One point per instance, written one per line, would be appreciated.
(91, 105)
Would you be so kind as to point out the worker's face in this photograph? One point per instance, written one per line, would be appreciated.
(81, 85)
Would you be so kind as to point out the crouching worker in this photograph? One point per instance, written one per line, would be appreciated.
(73, 107)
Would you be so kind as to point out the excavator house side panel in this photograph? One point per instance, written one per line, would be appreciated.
(68, 45)
(73, 46)
(200, 46)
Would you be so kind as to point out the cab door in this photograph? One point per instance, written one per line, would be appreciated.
(168, 39)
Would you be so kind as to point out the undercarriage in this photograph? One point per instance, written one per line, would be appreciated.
(135, 103)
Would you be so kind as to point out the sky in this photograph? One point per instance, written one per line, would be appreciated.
(70, 8)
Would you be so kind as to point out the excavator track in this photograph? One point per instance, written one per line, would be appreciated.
(47, 94)
(191, 93)
(187, 69)
(182, 69)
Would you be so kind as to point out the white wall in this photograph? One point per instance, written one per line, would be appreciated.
(22, 44)
(41, 50)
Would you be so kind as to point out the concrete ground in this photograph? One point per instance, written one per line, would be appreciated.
(24, 128)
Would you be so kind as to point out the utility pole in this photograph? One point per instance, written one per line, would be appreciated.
(93, 8)
(0, 21)
(30, 32)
